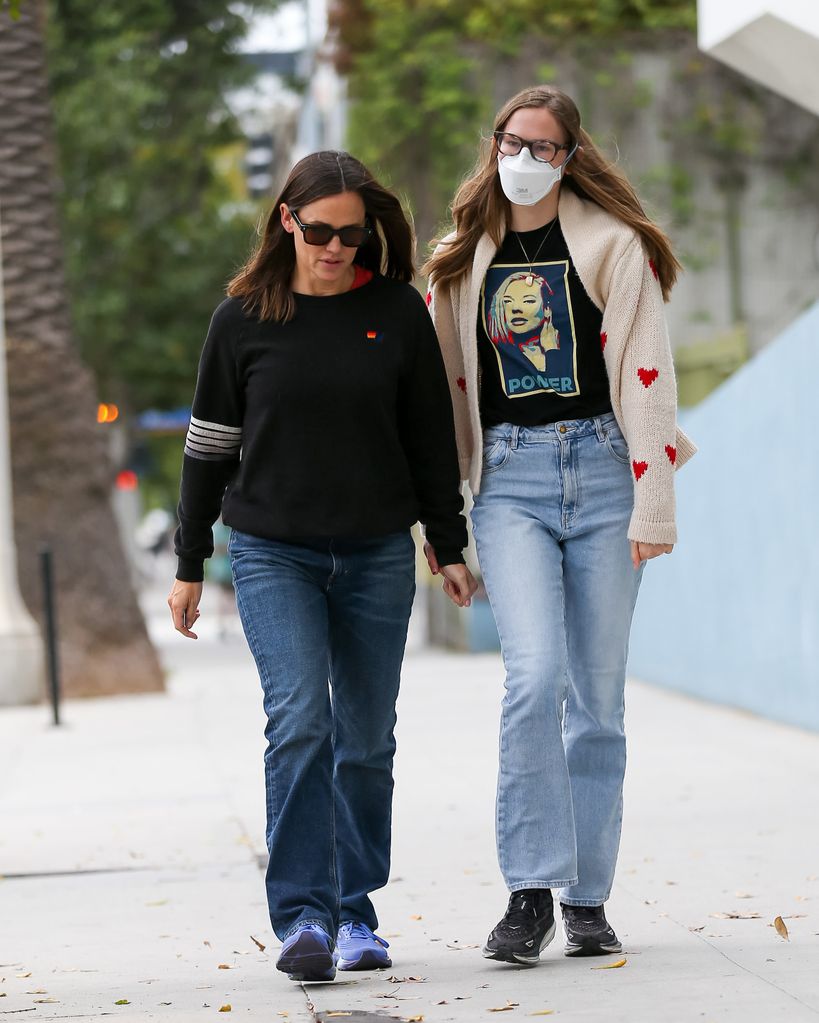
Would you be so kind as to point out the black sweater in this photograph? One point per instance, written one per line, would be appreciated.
(337, 423)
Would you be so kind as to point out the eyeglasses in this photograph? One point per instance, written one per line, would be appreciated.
(543, 150)
(322, 234)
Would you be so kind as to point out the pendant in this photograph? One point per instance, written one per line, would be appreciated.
(530, 280)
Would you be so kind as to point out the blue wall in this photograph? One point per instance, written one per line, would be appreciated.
(733, 614)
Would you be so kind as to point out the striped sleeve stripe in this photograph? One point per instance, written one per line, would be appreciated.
(215, 446)
(206, 456)
(211, 437)
(196, 451)
(235, 431)
(212, 441)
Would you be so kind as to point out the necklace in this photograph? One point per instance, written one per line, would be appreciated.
(530, 279)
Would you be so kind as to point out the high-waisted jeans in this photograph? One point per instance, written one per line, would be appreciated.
(326, 622)
(550, 525)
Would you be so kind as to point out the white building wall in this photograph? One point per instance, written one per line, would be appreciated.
(776, 44)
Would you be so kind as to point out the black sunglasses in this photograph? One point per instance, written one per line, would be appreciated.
(321, 234)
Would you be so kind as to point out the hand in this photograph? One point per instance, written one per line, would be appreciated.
(459, 584)
(647, 551)
(183, 601)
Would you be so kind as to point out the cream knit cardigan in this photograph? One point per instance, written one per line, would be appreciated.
(622, 283)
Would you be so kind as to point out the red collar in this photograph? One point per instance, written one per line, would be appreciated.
(362, 276)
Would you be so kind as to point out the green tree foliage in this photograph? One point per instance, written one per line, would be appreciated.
(413, 115)
(152, 230)
(420, 73)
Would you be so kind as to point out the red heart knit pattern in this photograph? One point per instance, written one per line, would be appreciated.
(639, 468)
(461, 383)
(603, 339)
(429, 298)
(648, 376)
(671, 451)
(653, 266)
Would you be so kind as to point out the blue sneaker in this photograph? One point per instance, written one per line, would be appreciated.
(360, 949)
(308, 954)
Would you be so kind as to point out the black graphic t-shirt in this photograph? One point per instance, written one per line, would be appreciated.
(538, 336)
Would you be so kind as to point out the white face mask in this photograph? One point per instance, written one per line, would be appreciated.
(525, 180)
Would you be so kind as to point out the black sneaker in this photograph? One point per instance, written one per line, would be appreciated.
(527, 927)
(588, 932)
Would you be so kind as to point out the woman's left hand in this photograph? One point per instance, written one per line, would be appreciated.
(645, 551)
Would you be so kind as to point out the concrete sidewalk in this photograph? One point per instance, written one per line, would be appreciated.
(130, 841)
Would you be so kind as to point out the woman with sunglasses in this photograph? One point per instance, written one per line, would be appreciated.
(322, 429)
(570, 457)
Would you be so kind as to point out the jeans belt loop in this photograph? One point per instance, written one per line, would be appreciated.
(600, 429)
(515, 435)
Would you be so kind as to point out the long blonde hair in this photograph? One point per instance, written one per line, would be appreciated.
(480, 206)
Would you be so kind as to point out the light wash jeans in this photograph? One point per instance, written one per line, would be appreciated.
(326, 621)
(550, 524)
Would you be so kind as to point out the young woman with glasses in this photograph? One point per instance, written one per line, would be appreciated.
(322, 429)
(548, 304)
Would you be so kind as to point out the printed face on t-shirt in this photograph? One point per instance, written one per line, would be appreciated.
(522, 307)
(528, 317)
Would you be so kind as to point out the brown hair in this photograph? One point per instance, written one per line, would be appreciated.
(264, 281)
(480, 206)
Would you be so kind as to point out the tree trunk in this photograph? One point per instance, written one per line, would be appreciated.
(62, 475)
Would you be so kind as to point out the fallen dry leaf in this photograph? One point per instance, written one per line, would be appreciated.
(258, 944)
(158, 902)
(697, 928)
(339, 1014)
(459, 948)
(37, 991)
(406, 980)
(416, 916)
(122, 1001)
(781, 929)
(22, 976)
(743, 895)
(735, 916)
(226, 1008)
(442, 1002)
(413, 1019)
(207, 944)
(611, 966)
(224, 966)
(542, 1012)
(505, 1008)
(46, 1001)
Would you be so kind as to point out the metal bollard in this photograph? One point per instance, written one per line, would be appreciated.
(47, 573)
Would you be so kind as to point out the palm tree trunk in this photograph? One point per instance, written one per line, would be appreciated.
(61, 472)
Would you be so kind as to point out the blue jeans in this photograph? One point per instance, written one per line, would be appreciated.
(326, 621)
(550, 525)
